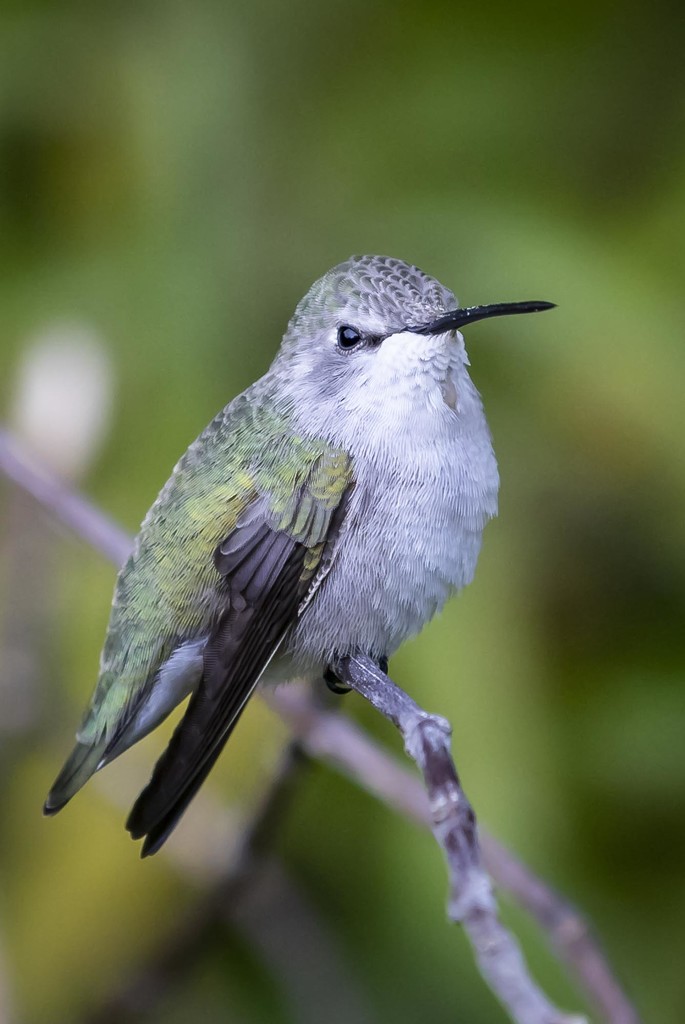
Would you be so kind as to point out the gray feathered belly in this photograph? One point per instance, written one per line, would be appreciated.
(412, 538)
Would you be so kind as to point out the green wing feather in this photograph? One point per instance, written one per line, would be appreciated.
(169, 591)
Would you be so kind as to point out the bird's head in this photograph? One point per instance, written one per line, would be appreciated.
(375, 327)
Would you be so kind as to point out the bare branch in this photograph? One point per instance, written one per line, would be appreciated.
(148, 985)
(325, 734)
(471, 900)
(336, 739)
(569, 932)
(66, 505)
(258, 897)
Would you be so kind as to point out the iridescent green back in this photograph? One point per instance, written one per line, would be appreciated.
(168, 591)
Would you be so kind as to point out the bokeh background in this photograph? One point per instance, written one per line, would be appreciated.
(172, 178)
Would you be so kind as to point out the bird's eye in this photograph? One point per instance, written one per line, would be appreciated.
(348, 338)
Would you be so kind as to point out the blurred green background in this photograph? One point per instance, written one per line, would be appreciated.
(172, 178)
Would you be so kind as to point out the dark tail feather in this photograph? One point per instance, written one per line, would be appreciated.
(177, 776)
(79, 767)
(157, 834)
(242, 643)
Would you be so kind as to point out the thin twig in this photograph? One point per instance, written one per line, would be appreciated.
(143, 990)
(471, 900)
(336, 739)
(65, 505)
(569, 932)
(256, 896)
(368, 765)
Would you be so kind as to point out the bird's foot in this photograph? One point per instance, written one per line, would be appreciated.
(336, 686)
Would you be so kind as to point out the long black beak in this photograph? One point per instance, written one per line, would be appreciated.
(462, 317)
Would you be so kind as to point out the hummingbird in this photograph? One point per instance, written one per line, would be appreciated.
(330, 509)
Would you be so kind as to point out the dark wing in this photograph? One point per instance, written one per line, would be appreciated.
(267, 564)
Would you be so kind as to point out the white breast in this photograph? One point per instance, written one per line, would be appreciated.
(426, 484)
